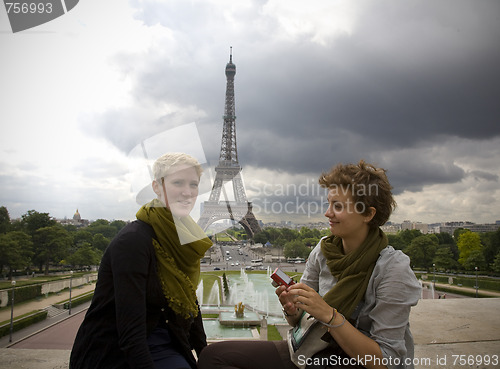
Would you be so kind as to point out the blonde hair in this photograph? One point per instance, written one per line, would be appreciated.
(164, 163)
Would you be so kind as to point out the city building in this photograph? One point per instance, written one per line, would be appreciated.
(77, 220)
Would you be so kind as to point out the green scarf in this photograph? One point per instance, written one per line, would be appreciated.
(353, 271)
(178, 264)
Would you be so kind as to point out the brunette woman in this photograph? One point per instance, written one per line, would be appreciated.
(358, 288)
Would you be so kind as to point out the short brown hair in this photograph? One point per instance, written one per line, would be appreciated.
(368, 186)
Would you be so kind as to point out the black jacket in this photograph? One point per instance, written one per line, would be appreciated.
(128, 304)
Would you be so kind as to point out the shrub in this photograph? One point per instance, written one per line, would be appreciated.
(23, 322)
(79, 300)
(24, 293)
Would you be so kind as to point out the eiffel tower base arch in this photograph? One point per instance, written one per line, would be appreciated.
(240, 212)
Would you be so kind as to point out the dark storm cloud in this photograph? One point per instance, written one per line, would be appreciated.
(409, 89)
(406, 173)
(411, 76)
(479, 174)
(402, 80)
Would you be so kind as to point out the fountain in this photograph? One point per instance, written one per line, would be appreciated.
(256, 291)
(214, 296)
(431, 286)
(239, 310)
(428, 291)
(215, 331)
(251, 298)
(199, 293)
(239, 318)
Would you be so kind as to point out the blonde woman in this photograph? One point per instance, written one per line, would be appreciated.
(144, 313)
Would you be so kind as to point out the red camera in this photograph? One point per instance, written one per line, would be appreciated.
(280, 278)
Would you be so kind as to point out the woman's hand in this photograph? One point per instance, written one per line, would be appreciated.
(305, 298)
(286, 300)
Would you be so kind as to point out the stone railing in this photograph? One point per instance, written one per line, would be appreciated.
(54, 286)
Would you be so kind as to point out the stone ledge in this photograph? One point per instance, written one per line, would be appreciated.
(441, 329)
(447, 355)
(30, 359)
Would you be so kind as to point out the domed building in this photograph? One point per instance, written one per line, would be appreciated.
(77, 217)
(77, 220)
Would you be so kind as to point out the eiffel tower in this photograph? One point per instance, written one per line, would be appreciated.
(228, 170)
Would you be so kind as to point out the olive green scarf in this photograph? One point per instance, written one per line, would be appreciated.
(178, 264)
(353, 271)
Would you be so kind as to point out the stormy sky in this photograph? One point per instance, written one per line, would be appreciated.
(410, 86)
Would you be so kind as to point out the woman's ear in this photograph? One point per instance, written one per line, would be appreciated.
(156, 188)
(370, 214)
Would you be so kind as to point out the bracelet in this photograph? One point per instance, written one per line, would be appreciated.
(329, 325)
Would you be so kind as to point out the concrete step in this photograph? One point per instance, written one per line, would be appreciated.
(53, 311)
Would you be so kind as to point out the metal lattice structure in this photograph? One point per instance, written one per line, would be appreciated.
(228, 170)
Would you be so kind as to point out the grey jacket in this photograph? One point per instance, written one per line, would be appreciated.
(384, 313)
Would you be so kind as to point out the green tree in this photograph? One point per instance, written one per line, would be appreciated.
(82, 236)
(443, 258)
(289, 234)
(99, 222)
(309, 233)
(445, 238)
(4, 220)
(295, 249)
(422, 250)
(475, 259)
(457, 232)
(99, 242)
(102, 226)
(261, 237)
(225, 286)
(118, 224)
(51, 245)
(15, 251)
(86, 255)
(325, 233)
(33, 220)
(467, 242)
(491, 245)
(310, 242)
(71, 228)
(396, 241)
(275, 237)
(408, 235)
(496, 264)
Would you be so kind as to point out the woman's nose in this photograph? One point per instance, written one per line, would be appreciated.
(186, 191)
(329, 213)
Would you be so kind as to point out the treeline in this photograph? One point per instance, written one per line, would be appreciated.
(462, 251)
(295, 243)
(37, 242)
